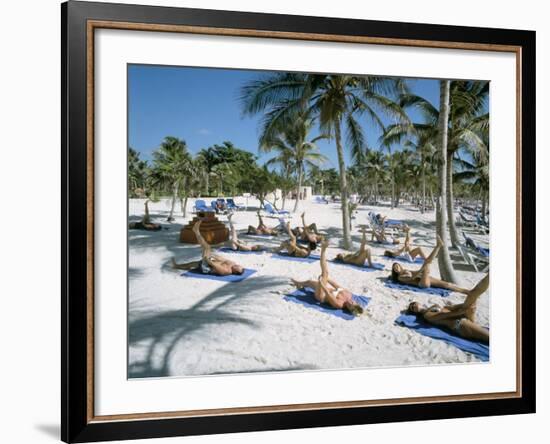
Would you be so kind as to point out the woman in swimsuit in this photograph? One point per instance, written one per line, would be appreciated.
(328, 291)
(292, 247)
(308, 233)
(421, 277)
(262, 228)
(358, 258)
(235, 243)
(459, 318)
(210, 263)
(406, 248)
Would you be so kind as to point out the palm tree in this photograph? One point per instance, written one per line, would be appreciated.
(466, 117)
(208, 159)
(335, 101)
(137, 173)
(171, 163)
(294, 152)
(445, 265)
(375, 167)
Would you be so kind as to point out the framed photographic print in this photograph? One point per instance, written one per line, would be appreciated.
(276, 221)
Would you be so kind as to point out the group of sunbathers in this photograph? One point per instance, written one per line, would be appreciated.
(458, 317)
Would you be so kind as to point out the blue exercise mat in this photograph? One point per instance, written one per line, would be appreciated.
(306, 298)
(286, 256)
(229, 278)
(230, 250)
(430, 290)
(479, 349)
(375, 266)
(393, 222)
(417, 259)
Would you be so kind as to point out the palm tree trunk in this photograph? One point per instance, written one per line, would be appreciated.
(298, 190)
(343, 188)
(174, 198)
(392, 189)
(483, 204)
(183, 203)
(450, 203)
(423, 206)
(444, 259)
(207, 182)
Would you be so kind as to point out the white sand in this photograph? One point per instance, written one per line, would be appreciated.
(183, 326)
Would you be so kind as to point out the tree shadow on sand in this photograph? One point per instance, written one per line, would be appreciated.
(165, 330)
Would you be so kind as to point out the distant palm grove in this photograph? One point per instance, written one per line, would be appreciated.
(431, 160)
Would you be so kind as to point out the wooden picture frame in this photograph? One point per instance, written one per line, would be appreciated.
(79, 22)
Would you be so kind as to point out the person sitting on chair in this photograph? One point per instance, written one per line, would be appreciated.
(210, 263)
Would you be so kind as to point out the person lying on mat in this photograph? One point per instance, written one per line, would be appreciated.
(210, 263)
(421, 277)
(309, 232)
(327, 291)
(262, 229)
(235, 243)
(148, 226)
(292, 247)
(406, 249)
(459, 318)
(358, 258)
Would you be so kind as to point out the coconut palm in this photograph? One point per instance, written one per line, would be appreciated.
(445, 265)
(171, 162)
(294, 152)
(137, 173)
(336, 101)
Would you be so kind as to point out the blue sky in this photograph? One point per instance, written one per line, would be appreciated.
(201, 106)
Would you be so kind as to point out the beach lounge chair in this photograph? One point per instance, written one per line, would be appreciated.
(474, 254)
(321, 200)
(272, 212)
(231, 205)
(200, 205)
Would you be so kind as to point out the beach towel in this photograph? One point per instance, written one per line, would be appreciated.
(407, 258)
(230, 250)
(306, 298)
(390, 222)
(259, 236)
(476, 348)
(229, 278)
(472, 244)
(375, 266)
(285, 256)
(430, 290)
